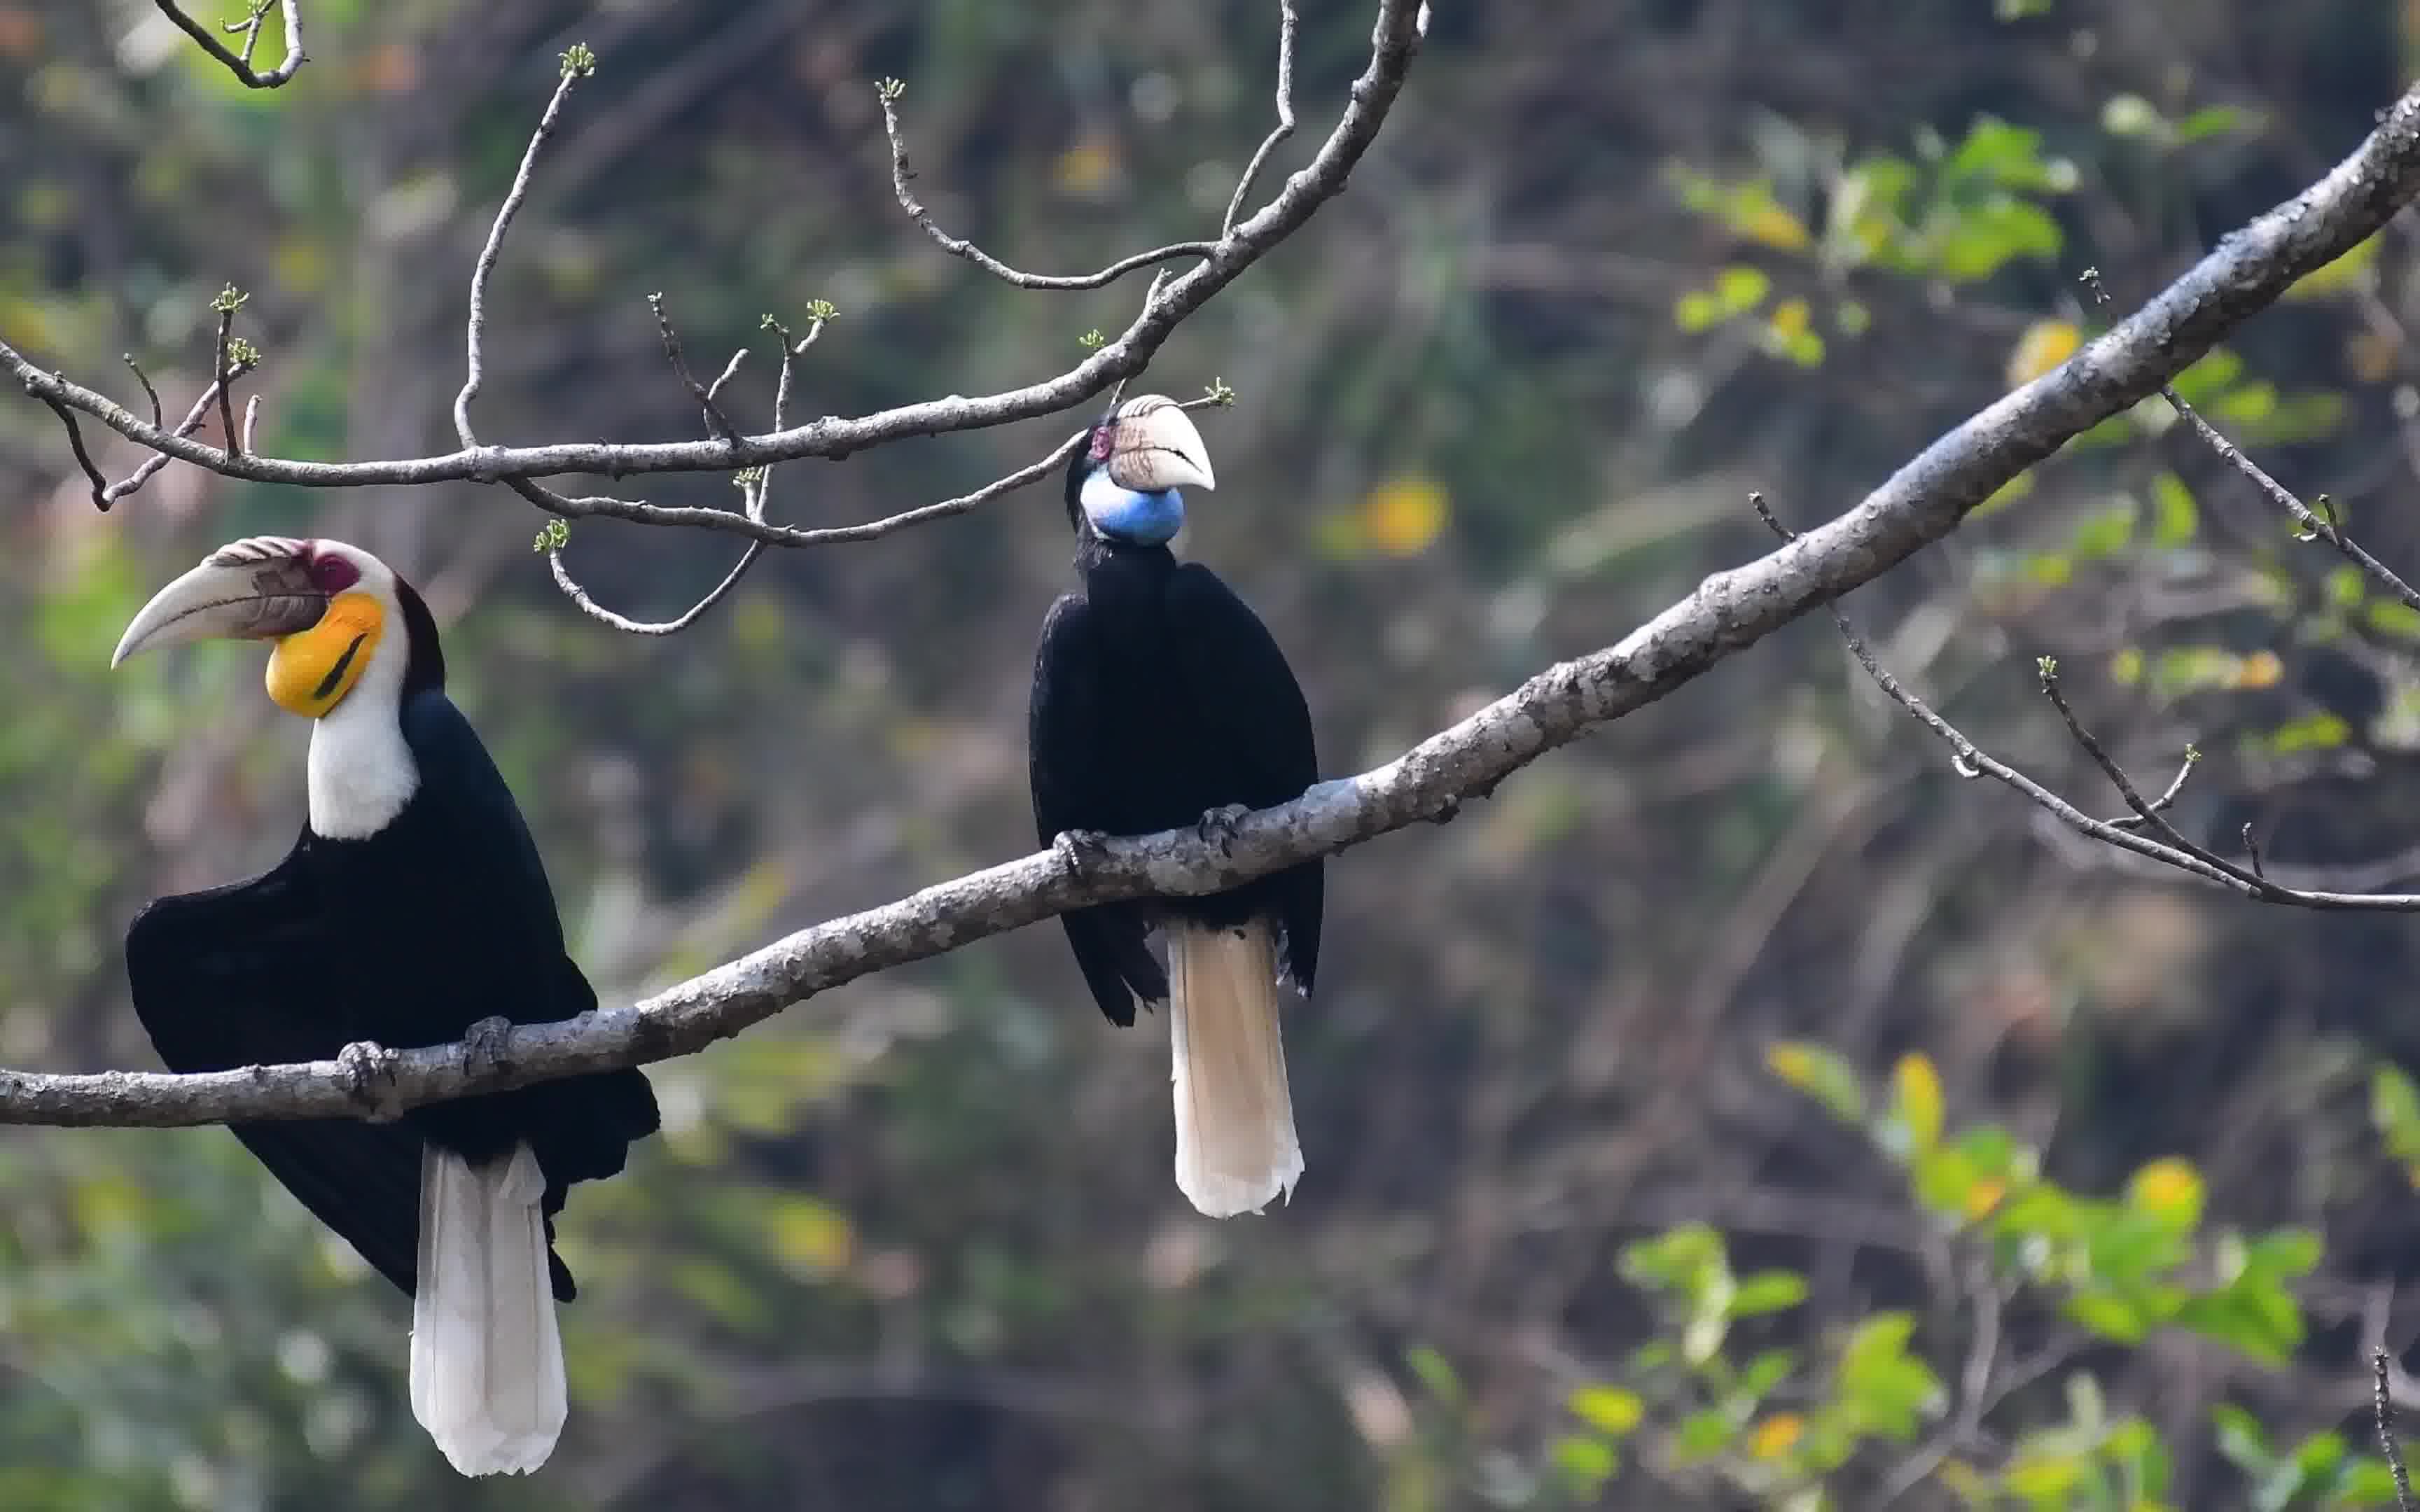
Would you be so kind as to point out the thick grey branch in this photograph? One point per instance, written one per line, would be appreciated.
(1731, 611)
(240, 64)
(1394, 40)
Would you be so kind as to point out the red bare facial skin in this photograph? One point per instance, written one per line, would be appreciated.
(331, 574)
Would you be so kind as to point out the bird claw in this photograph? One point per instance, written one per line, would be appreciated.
(1217, 826)
(1079, 846)
(486, 1047)
(372, 1067)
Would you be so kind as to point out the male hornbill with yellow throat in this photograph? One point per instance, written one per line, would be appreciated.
(1160, 700)
(413, 907)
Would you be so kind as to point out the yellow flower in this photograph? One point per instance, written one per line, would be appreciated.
(2044, 345)
(1775, 1436)
(1404, 515)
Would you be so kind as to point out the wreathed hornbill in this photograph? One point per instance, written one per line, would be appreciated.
(1160, 700)
(413, 907)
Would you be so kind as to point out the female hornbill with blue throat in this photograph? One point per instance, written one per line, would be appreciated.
(413, 906)
(1159, 700)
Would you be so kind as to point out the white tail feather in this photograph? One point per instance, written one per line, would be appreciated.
(1235, 1144)
(487, 1362)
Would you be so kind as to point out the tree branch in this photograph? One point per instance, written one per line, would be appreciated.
(577, 63)
(2317, 524)
(1393, 42)
(889, 91)
(1730, 612)
(240, 64)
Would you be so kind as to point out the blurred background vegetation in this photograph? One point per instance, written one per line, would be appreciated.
(1738, 1110)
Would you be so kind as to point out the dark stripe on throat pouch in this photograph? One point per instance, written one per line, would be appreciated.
(336, 674)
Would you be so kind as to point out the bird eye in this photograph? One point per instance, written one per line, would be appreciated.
(333, 574)
(1104, 437)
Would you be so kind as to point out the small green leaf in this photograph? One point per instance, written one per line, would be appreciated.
(2207, 378)
(2242, 1441)
(2389, 617)
(1822, 1074)
(2350, 271)
(2004, 495)
(1703, 1434)
(1768, 1291)
(2108, 1315)
(2105, 533)
(1585, 1463)
(1915, 1101)
(1612, 1410)
(1766, 1371)
(1740, 288)
(1434, 1372)
(1696, 311)
(2174, 517)
(2215, 120)
(2394, 1113)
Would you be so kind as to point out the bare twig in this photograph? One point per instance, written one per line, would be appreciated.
(889, 92)
(227, 304)
(730, 371)
(192, 422)
(84, 458)
(2317, 524)
(1287, 21)
(2147, 814)
(717, 422)
(251, 418)
(1970, 761)
(578, 596)
(140, 377)
(240, 64)
(2251, 849)
(577, 63)
(2168, 799)
(754, 491)
(2382, 1412)
(250, 26)
(1395, 42)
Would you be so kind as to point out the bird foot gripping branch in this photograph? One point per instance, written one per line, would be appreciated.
(1217, 826)
(1079, 848)
(486, 1047)
(372, 1068)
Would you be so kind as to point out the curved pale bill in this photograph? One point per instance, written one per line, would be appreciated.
(1157, 447)
(233, 601)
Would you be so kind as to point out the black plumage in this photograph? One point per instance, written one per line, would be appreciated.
(407, 937)
(1158, 697)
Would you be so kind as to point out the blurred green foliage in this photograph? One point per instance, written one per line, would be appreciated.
(1568, 1236)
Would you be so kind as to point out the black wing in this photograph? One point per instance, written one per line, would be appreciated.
(1064, 738)
(1266, 754)
(497, 915)
(246, 975)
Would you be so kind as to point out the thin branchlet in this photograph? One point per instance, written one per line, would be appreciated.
(240, 63)
(2318, 523)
